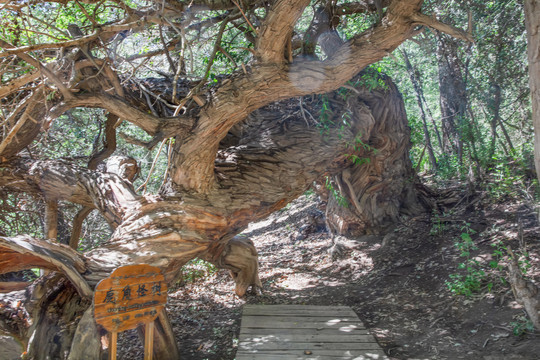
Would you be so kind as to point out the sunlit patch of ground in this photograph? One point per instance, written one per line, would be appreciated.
(398, 290)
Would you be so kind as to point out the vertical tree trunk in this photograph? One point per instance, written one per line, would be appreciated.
(419, 95)
(495, 101)
(532, 23)
(453, 95)
(494, 105)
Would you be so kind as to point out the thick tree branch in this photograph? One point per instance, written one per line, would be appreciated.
(330, 40)
(277, 29)
(177, 126)
(109, 143)
(57, 179)
(109, 146)
(264, 84)
(23, 252)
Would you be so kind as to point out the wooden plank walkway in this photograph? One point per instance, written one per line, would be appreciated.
(272, 332)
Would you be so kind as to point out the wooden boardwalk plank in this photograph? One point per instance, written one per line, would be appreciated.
(320, 354)
(345, 332)
(296, 322)
(297, 312)
(254, 346)
(303, 337)
(372, 355)
(304, 332)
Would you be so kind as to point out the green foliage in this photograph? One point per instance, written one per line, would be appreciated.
(499, 250)
(197, 269)
(438, 226)
(372, 78)
(507, 179)
(449, 167)
(497, 61)
(342, 201)
(360, 147)
(326, 121)
(466, 284)
(472, 276)
(522, 325)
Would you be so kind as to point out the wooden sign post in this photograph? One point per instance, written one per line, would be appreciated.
(131, 296)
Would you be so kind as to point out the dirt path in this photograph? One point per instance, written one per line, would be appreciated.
(398, 289)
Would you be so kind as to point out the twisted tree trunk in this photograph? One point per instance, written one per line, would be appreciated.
(263, 163)
(237, 157)
(381, 186)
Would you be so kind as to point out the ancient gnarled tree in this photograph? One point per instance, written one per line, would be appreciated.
(257, 99)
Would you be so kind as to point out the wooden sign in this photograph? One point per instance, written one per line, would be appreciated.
(132, 295)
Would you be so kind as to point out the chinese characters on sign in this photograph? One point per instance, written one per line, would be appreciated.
(133, 295)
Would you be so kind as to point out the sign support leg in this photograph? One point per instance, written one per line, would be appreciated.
(112, 345)
(149, 341)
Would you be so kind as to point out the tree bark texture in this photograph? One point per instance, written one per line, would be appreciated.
(532, 23)
(259, 140)
(381, 187)
(56, 308)
(453, 95)
(262, 164)
(419, 92)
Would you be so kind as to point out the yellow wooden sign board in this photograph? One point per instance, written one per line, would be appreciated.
(131, 296)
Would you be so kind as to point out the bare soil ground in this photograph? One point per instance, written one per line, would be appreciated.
(398, 289)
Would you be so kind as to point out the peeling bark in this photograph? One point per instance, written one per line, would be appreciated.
(20, 253)
(240, 257)
(383, 186)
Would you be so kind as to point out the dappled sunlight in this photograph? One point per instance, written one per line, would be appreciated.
(348, 328)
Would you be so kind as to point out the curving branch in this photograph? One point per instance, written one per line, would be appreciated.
(153, 125)
(193, 169)
(277, 29)
(23, 252)
(57, 179)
